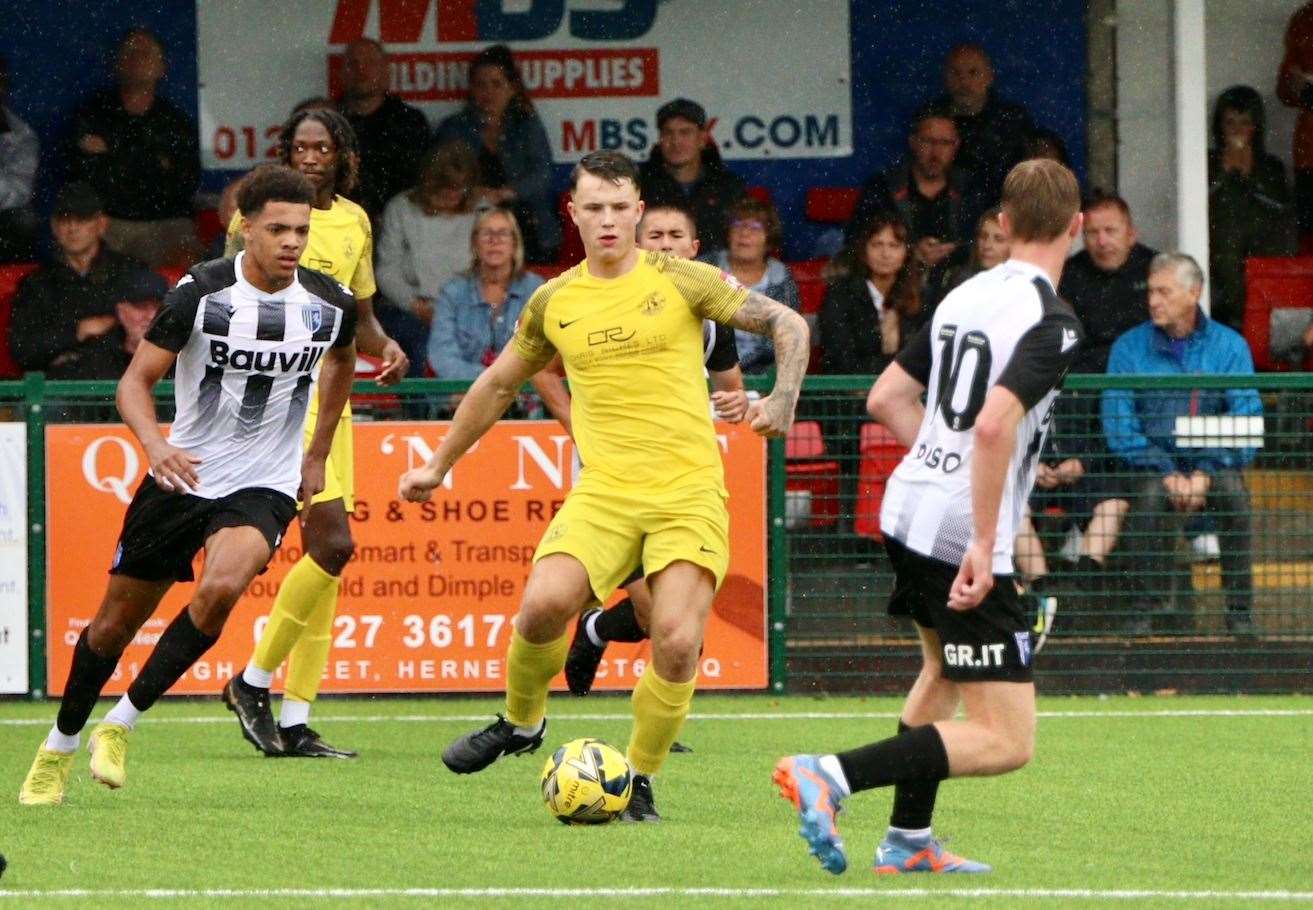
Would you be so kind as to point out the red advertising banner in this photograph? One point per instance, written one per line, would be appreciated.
(428, 599)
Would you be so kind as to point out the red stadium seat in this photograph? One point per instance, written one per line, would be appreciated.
(880, 454)
(831, 204)
(10, 276)
(1274, 284)
(207, 225)
(805, 471)
(547, 272)
(760, 193)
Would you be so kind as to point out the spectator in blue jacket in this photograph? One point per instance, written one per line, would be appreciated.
(477, 310)
(515, 159)
(1165, 475)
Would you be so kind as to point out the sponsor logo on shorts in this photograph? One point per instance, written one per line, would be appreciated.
(967, 656)
(1023, 647)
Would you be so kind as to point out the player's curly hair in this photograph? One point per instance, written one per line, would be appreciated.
(344, 137)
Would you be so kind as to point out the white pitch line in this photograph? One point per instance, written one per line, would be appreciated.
(800, 715)
(1088, 894)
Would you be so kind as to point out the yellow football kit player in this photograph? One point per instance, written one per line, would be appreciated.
(300, 625)
(652, 487)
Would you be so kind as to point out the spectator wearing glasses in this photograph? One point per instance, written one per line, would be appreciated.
(477, 311)
(926, 189)
(754, 232)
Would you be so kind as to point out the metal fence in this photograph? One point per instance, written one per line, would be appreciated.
(1172, 528)
(1155, 588)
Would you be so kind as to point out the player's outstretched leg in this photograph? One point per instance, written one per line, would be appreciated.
(596, 629)
(557, 587)
(803, 781)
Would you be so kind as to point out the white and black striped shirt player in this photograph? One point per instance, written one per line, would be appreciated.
(1004, 327)
(247, 361)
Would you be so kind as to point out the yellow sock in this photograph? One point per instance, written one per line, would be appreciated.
(529, 671)
(659, 711)
(309, 657)
(295, 604)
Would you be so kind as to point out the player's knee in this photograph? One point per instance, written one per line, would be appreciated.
(332, 551)
(544, 615)
(676, 646)
(215, 598)
(1015, 751)
(108, 637)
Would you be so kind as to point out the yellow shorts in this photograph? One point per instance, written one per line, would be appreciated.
(612, 532)
(339, 470)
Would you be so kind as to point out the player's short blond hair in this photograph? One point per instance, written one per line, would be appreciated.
(1040, 197)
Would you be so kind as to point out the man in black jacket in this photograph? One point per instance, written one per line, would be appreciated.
(393, 135)
(927, 189)
(139, 151)
(70, 301)
(1107, 283)
(685, 170)
(993, 130)
(107, 356)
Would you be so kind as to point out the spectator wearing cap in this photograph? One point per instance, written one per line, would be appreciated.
(515, 160)
(139, 151)
(70, 299)
(392, 134)
(19, 150)
(107, 356)
(685, 170)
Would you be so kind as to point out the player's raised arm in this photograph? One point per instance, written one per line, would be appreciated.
(773, 415)
(173, 468)
(488, 398)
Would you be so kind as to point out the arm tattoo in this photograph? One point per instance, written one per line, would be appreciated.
(763, 316)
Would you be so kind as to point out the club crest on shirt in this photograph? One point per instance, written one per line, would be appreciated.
(313, 317)
(652, 304)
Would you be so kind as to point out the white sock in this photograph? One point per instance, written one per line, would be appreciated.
(293, 713)
(124, 714)
(62, 742)
(910, 834)
(830, 765)
(530, 731)
(254, 676)
(590, 629)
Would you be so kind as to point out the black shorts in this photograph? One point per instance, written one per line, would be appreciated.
(162, 531)
(988, 644)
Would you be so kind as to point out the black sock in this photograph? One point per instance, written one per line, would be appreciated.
(914, 755)
(914, 800)
(181, 645)
(87, 676)
(619, 623)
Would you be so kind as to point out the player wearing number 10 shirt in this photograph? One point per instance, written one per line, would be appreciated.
(247, 337)
(989, 365)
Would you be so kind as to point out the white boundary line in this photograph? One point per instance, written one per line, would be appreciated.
(749, 893)
(747, 716)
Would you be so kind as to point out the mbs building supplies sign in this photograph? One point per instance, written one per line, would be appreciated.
(427, 600)
(773, 74)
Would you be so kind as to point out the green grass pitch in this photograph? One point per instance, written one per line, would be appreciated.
(1150, 802)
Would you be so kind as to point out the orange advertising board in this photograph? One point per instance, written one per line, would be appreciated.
(428, 598)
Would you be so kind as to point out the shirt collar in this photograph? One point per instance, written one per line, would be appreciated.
(263, 295)
(1030, 271)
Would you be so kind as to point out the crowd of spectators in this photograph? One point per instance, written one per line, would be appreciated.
(460, 212)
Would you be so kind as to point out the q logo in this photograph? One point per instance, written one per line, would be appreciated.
(119, 483)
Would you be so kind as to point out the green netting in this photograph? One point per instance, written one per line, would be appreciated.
(1152, 592)
(1213, 599)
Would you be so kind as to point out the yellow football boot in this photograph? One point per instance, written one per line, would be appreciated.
(45, 781)
(109, 754)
